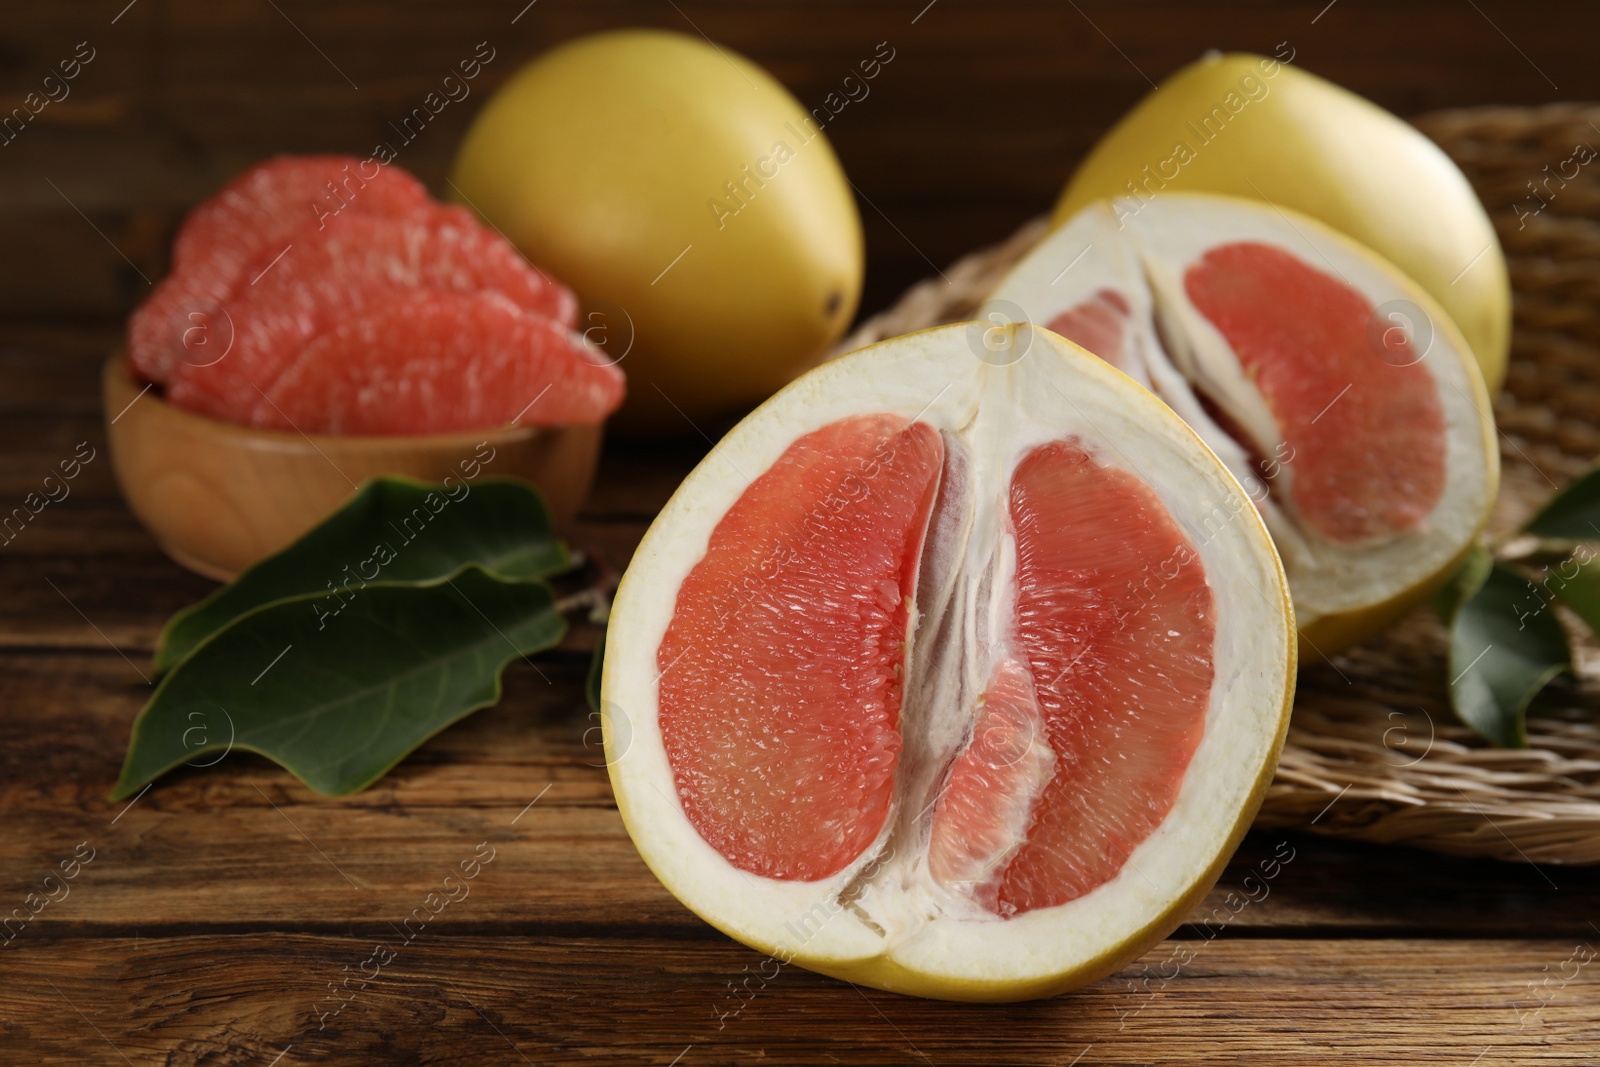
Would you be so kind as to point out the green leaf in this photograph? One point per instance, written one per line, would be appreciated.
(1467, 580)
(392, 530)
(340, 699)
(1505, 645)
(1576, 581)
(1573, 514)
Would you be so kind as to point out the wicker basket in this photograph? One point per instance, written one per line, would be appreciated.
(1373, 750)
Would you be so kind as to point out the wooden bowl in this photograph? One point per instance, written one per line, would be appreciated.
(218, 497)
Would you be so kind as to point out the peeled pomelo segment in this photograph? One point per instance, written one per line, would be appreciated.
(985, 807)
(360, 259)
(229, 238)
(273, 201)
(433, 362)
(1101, 325)
(1116, 620)
(181, 320)
(780, 673)
(1364, 430)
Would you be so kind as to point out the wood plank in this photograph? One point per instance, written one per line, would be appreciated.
(89, 577)
(54, 367)
(52, 402)
(221, 905)
(294, 858)
(184, 94)
(82, 573)
(639, 998)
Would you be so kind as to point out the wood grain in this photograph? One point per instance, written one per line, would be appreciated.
(220, 905)
(972, 128)
(220, 497)
(638, 998)
(392, 842)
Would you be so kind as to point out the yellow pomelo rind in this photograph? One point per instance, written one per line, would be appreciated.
(694, 206)
(883, 971)
(1253, 127)
(1326, 635)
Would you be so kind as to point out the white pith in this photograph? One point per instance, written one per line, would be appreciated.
(1143, 249)
(885, 906)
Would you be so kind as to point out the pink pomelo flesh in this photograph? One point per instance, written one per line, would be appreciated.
(1116, 621)
(781, 684)
(359, 260)
(273, 202)
(1100, 325)
(986, 804)
(435, 362)
(781, 669)
(230, 238)
(327, 294)
(1360, 422)
(1363, 429)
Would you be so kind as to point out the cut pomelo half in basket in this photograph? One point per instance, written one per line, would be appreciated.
(1330, 384)
(932, 675)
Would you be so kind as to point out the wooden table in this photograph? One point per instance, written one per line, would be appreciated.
(223, 911)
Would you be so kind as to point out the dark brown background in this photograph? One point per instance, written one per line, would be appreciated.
(972, 128)
(221, 905)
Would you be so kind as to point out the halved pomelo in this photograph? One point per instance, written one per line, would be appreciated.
(930, 677)
(1330, 384)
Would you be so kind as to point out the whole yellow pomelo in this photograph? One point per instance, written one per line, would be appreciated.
(1259, 128)
(691, 202)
